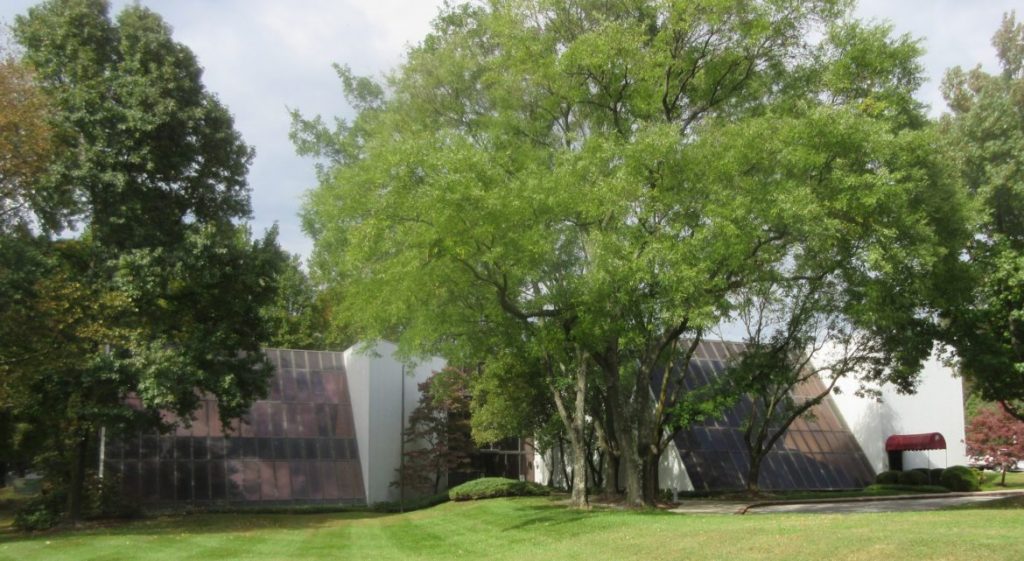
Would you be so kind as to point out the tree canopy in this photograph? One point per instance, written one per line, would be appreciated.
(578, 185)
(986, 129)
(26, 143)
(159, 295)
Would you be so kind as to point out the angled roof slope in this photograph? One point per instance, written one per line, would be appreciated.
(817, 452)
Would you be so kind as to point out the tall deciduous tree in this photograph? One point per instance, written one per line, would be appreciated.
(584, 183)
(26, 146)
(986, 127)
(299, 316)
(160, 296)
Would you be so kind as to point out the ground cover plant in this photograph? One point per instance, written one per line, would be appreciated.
(537, 528)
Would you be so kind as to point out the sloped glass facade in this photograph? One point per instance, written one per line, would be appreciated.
(296, 446)
(817, 452)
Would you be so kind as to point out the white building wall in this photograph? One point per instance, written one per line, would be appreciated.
(672, 472)
(936, 407)
(376, 379)
(357, 372)
(547, 466)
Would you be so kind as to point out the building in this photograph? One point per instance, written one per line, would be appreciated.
(841, 444)
(936, 407)
(330, 431)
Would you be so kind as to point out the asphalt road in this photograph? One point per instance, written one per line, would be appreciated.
(903, 505)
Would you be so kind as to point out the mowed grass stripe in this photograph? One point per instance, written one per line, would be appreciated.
(516, 528)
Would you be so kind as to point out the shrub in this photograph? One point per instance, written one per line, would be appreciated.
(960, 478)
(489, 487)
(935, 476)
(41, 512)
(416, 503)
(100, 499)
(888, 478)
(913, 477)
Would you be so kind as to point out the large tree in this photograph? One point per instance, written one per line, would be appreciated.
(159, 296)
(299, 316)
(986, 128)
(584, 183)
(26, 146)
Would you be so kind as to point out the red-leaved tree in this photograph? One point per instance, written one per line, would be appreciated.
(996, 436)
(437, 437)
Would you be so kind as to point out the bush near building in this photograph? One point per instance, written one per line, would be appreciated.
(491, 487)
(960, 478)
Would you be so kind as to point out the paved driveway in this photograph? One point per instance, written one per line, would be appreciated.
(902, 505)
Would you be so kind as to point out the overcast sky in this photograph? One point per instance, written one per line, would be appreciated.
(265, 56)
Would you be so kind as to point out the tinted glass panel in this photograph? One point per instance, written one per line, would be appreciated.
(808, 456)
(285, 452)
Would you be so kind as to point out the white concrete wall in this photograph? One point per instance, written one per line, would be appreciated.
(936, 407)
(671, 470)
(376, 379)
(357, 372)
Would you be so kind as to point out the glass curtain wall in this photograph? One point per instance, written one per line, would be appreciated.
(296, 446)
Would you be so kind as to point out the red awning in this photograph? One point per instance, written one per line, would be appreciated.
(926, 441)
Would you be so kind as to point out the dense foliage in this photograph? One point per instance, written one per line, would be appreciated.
(996, 438)
(298, 316)
(565, 191)
(158, 296)
(26, 146)
(986, 128)
(437, 434)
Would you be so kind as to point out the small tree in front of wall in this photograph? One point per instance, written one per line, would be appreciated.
(997, 436)
(437, 437)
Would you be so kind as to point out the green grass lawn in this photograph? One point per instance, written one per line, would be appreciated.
(990, 481)
(537, 528)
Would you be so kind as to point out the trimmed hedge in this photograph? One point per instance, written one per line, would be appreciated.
(960, 478)
(890, 477)
(935, 476)
(913, 477)
(490, 487)
(411, 504)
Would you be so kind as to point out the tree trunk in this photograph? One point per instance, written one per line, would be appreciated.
(625, 435)
(632, 470)
(754, 474)
(563, 460)
(579, 477)
(577, 438)
(594, 454)
(610, 464)
(650, 477)
(1002, 482)
(76, 491)
(611, 476)
(575, 423)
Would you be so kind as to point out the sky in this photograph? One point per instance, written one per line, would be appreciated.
(263, 57)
